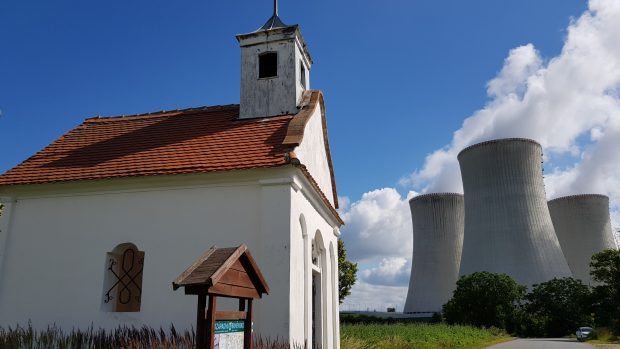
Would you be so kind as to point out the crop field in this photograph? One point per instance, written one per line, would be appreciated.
(418, 336)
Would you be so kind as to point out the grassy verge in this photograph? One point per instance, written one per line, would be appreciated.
(121, 337)
(605, 339)
(353, 336)
(417, 335)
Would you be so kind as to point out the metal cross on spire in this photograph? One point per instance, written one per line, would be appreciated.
(274, 21)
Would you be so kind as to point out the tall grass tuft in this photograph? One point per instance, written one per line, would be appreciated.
(417, 335)
(123, 337)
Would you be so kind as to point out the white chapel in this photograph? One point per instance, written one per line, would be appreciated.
(97, 225)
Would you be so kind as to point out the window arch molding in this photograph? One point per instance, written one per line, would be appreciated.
(319, 301)
(307, 275)
(122, 283)
(335, 298)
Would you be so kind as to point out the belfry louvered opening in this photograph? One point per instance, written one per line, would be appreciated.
(268, 65)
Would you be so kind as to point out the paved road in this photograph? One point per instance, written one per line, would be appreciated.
(548, 343)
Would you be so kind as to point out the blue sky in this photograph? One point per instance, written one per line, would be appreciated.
(398, 76)
(407, 85)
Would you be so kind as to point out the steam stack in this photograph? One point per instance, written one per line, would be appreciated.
(437, 243)
(583, 227)
(508, 228)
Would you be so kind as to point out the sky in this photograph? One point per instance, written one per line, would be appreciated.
(407, 85)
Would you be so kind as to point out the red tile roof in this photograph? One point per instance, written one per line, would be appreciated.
(174, 142)
(195, 140)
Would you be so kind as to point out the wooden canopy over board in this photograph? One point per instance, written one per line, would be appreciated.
(228, 272)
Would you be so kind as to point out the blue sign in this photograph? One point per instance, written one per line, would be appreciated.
(229, 326)
(229, 334)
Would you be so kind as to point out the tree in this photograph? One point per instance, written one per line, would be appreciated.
(559, 306)
(484, 299)
(347, 272)
(605, 269)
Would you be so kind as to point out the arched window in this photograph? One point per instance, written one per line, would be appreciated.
(302, 74)
(334, 294)
(122, 285)
(307, 280)
(268, 65)
(316, 255)
(319, 292)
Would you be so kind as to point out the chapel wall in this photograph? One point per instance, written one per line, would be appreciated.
(311, 153)
(66, 237)
(308, 223)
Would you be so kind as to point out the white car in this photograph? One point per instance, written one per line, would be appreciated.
(583, 333)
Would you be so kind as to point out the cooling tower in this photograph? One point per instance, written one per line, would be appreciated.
(583, 227)
(437, 242)
(508, 228)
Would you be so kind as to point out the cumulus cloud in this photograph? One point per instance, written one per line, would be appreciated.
(365, 296)
(390, 272)
(378, 226)
(343, 203)
(569, 103)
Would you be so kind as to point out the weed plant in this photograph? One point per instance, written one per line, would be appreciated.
(417, 335)
(120, 338)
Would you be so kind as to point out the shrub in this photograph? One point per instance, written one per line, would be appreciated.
(484, 299)
(605, 269)
(558, 307)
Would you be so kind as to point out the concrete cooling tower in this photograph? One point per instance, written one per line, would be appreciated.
(437, 242)
(583, 227)
(508, 228)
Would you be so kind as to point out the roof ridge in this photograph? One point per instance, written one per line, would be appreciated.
(159, 113)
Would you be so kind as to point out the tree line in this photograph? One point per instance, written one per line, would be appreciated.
(550, 309)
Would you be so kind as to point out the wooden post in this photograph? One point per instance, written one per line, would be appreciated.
(238, 277)
(201, 329)
(247, 335)
(211, 322)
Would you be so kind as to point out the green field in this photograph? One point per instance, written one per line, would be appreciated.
(418, 336)
(353, 336)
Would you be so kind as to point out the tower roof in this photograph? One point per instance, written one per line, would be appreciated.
(274, 22)
(274, 29)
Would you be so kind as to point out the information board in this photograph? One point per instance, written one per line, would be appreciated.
(229, 334)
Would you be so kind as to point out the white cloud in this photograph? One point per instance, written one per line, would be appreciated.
(571, 98)
(343, 203)
(390, 272)
(569, 103)
(522, 63)
(368, 297)
(378, 226)
(378, 235)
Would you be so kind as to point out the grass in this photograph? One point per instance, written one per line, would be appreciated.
(121, 337)
(353, 336)
(605, 339)
(417, 335)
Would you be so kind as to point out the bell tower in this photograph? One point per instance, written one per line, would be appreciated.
(275, 69)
